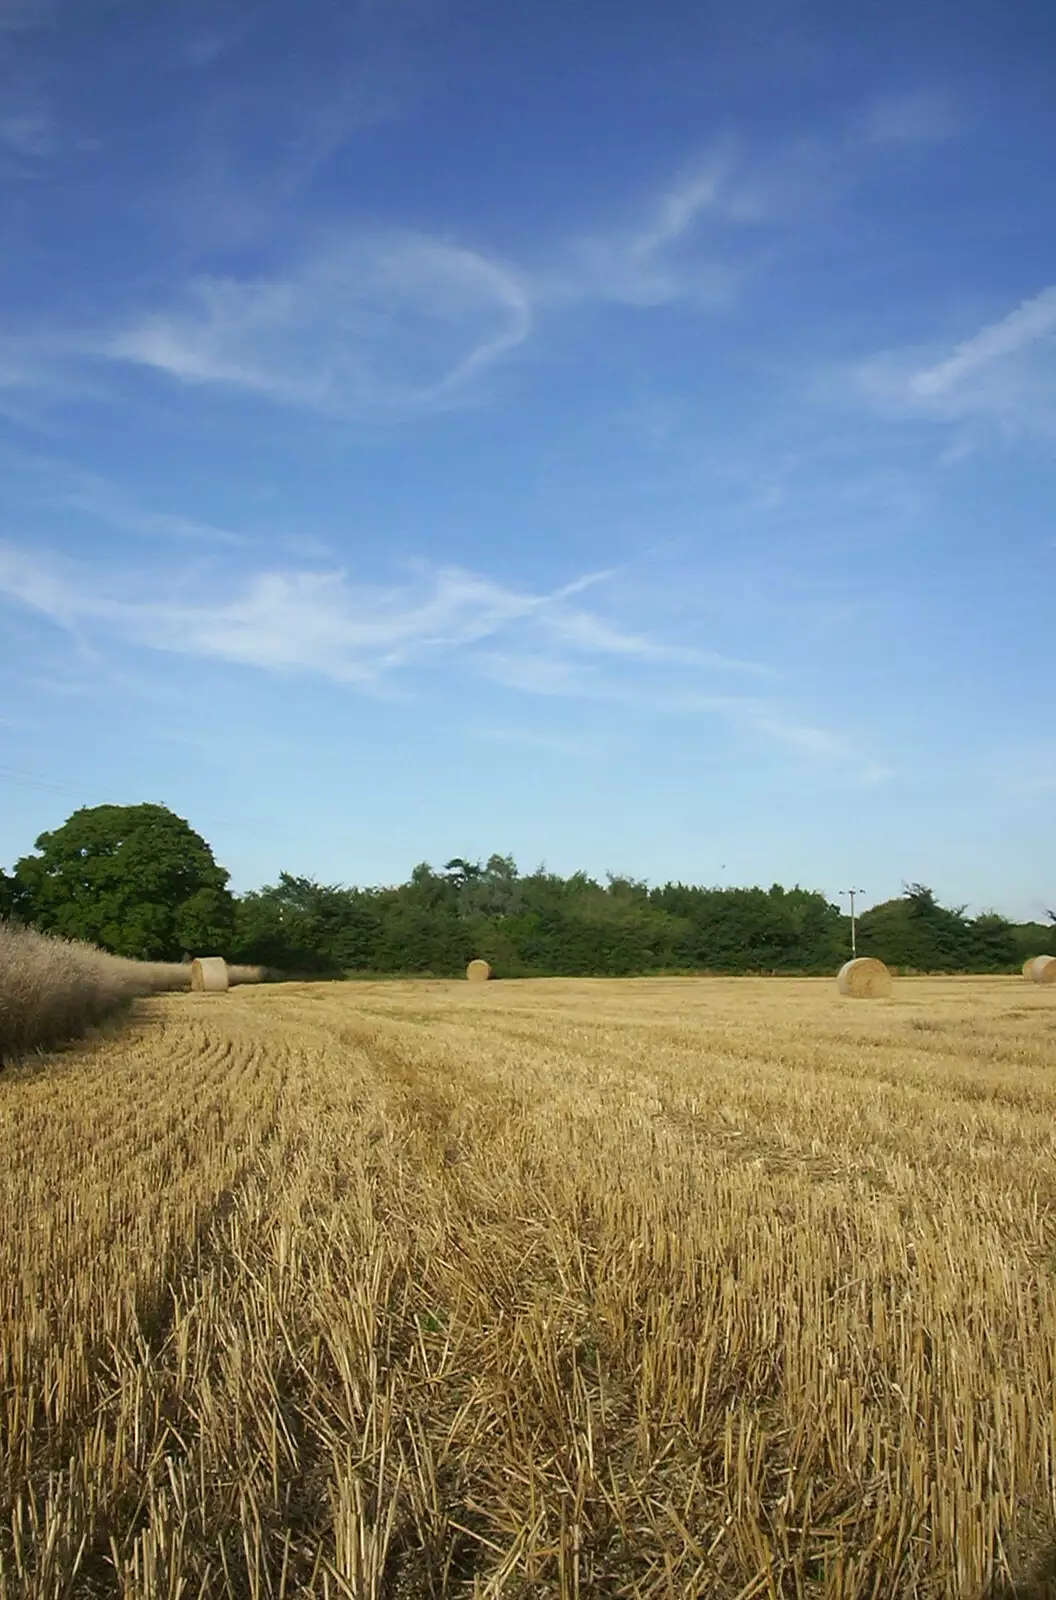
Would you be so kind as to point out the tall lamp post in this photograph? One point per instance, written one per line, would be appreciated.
(854, 924)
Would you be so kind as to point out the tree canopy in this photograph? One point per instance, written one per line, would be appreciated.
(136, 880)
(541, 924)
(139, 881)
(914, 931)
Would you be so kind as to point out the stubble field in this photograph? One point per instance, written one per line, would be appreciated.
(657, 1288)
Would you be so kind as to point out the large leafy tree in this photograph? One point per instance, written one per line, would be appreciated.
(136, 880)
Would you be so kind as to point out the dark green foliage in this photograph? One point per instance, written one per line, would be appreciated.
(139, 881)
(574, 926)
(136, 880)
(544, 925)
(421, 938)
(914, 932)
(1034, 939)
(756, 930)
(992, 945)
(205, 921)
(303, 926)
(538, 925)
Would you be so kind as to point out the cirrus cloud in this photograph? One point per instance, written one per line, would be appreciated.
(324, 623)
(366, 635)
(1003, 375)
(369, 326)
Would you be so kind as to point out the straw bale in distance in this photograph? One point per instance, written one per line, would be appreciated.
(209, 974)
(478, 972)
(864, 979)
(1028, 966)
(1043, 969)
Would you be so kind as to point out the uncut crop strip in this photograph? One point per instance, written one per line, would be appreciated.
(624, 1289)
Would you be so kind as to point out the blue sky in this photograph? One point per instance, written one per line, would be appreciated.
(619, 434)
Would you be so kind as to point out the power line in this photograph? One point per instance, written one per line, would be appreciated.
(19, 778)
(36, 780)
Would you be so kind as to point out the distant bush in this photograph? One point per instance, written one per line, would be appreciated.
(53, 989)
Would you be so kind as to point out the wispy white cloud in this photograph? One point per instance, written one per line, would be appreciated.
(922, 116)
(56, 483)
(774, 722)
(40, 370)
(650, 262)
(1034, 320)
(388, 324)
(681, 247)
(541, 673)
(26, 578)
(370, 636)
(322, 622)
(114, 507)
(384, 324)
(366, 99)
(372, 326)
(584, 632)
(1003, 375)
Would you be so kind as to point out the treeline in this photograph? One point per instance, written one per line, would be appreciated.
(542, 925)
(138, 881)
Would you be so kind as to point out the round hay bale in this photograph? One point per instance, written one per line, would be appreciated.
(1028, 966)
(1043, 969)
(209, 974)
(864, 979)
(478, 972)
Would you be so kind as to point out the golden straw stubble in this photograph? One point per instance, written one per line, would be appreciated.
(864, 979)
(659, 1287)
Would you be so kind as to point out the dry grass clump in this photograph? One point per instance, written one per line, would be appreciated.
(209, 975)
(864, 979)
(54, 989)
(478, 971)
(645, 1290)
